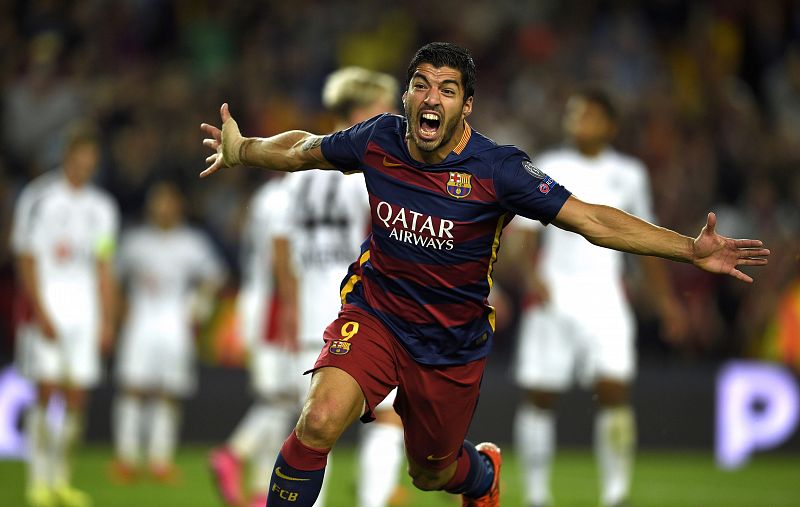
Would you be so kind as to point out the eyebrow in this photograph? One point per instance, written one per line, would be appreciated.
(446, 81)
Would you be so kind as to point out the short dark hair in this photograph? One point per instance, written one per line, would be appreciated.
(446, 54)
(80, 132)
(600, 96)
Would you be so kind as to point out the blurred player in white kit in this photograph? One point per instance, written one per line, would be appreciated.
(64, 236)
(171, 271)
(583, 325)
(272, 354)
(318, 222)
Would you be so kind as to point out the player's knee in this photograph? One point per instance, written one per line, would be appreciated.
(543, 400)
(426, 480)
(612, 393)
(320, 425)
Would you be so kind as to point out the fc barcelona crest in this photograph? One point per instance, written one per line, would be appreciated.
(339, 347)
(459, 185)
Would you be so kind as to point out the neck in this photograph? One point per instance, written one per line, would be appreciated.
(590, 150)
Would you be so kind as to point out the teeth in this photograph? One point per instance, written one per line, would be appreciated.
(429, 116)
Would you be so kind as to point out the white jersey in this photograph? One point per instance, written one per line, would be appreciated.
(161, 267)
(328, 220)
(65, 230)
(265, 214)
(570, 265)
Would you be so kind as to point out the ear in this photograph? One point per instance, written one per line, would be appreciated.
(466, 109)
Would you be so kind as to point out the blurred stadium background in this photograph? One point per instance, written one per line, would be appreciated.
(710, 95)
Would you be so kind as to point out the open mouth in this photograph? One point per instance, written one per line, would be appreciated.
(429, 123)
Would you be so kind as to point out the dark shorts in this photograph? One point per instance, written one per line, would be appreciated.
(436, 403)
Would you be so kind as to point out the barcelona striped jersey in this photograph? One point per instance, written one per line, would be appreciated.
(425, 271)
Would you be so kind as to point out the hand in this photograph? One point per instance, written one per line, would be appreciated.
(718, 254)
(226, 143)
(46, 326)
(106, 338)
(674, 322)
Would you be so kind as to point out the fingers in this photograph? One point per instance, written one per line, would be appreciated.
(224, 112)
(211, 143)
(753, 252)
(749, 261)
(740, 276)
(747, 243)
(215, 162)
(711, 222)
(211, 130)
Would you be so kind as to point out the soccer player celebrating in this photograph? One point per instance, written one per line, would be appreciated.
(64, 236)
(170, 270)
(584, 322)
(415, 313)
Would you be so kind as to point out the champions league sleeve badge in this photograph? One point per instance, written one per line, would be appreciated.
(533, 170)
(459, 185)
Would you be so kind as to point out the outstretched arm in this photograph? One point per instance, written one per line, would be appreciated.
(294, 150)
(612, 228)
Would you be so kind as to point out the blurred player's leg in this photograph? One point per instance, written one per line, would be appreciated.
(535, 436)
(380, 456)
(63, 444)
(128, 420)
(547, 356)
(39, 487)
(164, 423)
(261, 441)
(615, 442)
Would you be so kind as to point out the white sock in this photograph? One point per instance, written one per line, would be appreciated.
(379, 461)
(128, 428)
(275, 424)
(615, 442)
(164, 419)
(535, 439)
(38, 443)
(63, 444)
(249, 433)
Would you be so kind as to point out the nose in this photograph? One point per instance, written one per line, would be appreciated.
(432, 97)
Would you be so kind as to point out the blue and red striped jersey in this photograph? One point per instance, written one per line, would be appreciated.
(425, 270)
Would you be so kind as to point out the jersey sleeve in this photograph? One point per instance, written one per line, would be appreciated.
(105, 239)
(279, 219)
(22, 225)
(345, 149)
(641, 199)
(208, 264)
(525, 190)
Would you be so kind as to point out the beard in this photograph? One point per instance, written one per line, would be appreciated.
(446, 130)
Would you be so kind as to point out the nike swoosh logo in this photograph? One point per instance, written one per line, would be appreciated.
(283, 476)
(432, 458)
(389, 163)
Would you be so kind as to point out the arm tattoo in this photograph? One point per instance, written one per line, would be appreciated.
(312, 142)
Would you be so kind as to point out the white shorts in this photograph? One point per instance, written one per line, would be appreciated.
(274, 371)
(158, 358)
(557, 346)
(72, 359)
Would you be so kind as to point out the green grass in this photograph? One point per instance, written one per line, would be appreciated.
(663, 479)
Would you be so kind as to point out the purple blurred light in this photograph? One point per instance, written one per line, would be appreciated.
(758, 405)
(16, 394)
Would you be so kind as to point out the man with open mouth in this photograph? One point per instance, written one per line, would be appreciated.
(414, 312)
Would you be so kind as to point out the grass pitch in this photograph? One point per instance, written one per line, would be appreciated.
(662, 479)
